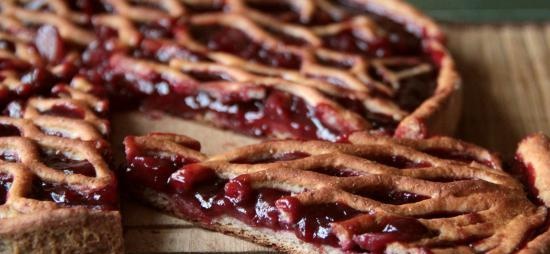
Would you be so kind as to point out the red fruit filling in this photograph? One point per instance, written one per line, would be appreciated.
(284, 11)
(34, 80)
(389, 196)
(255, 111)
(527, 175)
(101, 199)
(236, 42)
(5, 184)
(164, 51)
(389, 230)
(200, 194)
(9, 156)
(59, 161)
(65, 110)
(337, 172)
(7, 130)
(397, 161)
(49, 43)
(150, 168)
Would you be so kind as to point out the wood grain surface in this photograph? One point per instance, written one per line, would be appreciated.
(506, 76)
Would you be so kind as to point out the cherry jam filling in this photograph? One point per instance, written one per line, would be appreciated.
(7, 130)
(389, 230)
(150, 168)
(165, 51)
(212, 6)
(397, 161)
(379, 122)
(337, 172)
(415, 90)
(346, 41)
(101, 199)
(209, 197)
(526, 174)
(88, 7)
(5, 185)
(59, 161)
(278, 113)
(34, 81)
(389, 196)
(9, 156)
(285, 12)
(269, 158)
(49, 43)
(65, 110)
(236, 42)
(201, 195)
(314, 222)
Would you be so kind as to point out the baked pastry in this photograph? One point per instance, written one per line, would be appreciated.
(370, 194)
(312, 69)
(57, 192)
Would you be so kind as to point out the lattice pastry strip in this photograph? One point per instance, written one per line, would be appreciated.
(455, 149)
(64, 23)
(41, 106)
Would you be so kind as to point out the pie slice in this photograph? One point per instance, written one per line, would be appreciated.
(370, 194)
(278, 69)
(57, 192)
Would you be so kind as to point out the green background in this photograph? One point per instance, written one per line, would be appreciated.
(486, 10)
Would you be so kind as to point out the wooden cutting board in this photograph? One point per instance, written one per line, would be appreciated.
(506, 72)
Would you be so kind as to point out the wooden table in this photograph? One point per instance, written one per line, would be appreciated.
(506, 72)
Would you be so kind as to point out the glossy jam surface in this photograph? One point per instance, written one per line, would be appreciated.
(397, 161)
(5, 184)
(213, 197)
(333, 171)
(34, 81)
(7, 130)
(389, 196)
(150, 168)
(65, 110)
(102, 199)
(69, 166)
(526, 173)
(230, 40)
(277, 113)
(201, 195)
(388, 230)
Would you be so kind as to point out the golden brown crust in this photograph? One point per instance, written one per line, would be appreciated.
(31, 223)
(534, 153)
(436, 145)
(67, 230)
